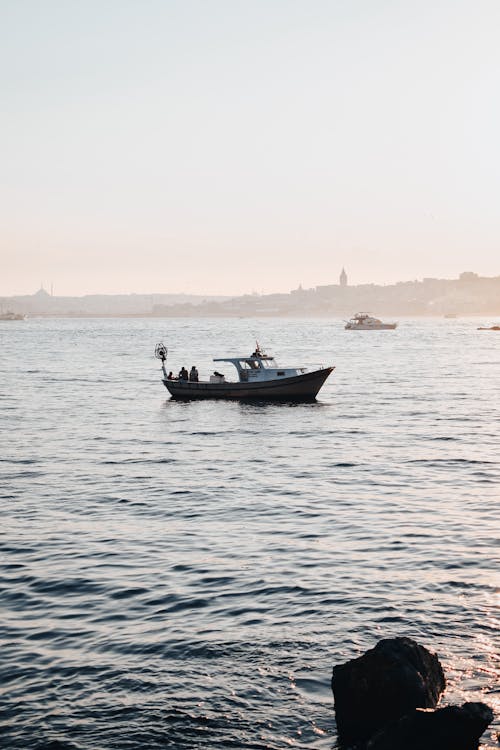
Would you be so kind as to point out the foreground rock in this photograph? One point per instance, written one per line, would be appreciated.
(380, 687)
(451, 728)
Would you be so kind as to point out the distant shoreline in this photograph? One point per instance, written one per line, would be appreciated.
(468, 295)
(214, 316)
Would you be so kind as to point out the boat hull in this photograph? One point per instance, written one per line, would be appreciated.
(298, 388)
(382, 327)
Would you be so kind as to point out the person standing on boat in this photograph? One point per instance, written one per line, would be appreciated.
(193, 375)
(183, 374)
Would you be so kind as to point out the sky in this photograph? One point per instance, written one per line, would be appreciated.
(230, 146)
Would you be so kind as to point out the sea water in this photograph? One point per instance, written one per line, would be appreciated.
(185, 575)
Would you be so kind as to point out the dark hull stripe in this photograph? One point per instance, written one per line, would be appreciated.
(299, 388)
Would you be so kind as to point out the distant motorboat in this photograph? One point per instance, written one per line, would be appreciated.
(364, 322)
(12, 316)
(489, 328)
(259, 377)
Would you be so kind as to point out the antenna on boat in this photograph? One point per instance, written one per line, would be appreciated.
(161, 352)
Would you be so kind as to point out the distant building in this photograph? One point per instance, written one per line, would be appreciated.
(299, 291)
(343, 278)
(41, 294)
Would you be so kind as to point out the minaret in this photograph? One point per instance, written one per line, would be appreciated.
(343, 278)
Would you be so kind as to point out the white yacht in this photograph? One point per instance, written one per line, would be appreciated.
(363, 321)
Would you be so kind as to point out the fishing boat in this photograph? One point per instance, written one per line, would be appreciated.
(363, 321)
(259, 377)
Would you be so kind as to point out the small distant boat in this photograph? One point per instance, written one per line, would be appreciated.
(489, 328)
(364, 322)
(12, 316)
(450, 315)
(259, 377)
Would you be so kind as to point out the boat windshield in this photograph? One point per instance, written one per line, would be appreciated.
(256, 364)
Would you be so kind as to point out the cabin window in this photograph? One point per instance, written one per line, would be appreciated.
(280, 372)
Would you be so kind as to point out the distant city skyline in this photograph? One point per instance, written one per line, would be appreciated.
(50, 288)
(225, 148)
(469, 294)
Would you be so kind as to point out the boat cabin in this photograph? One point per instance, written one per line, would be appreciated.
(365, 318)
(260, 367)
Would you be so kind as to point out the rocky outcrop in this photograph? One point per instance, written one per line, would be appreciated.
(380, 687)
(450, 728)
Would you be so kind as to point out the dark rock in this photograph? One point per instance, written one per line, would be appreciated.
(383, 685)
(451, 728)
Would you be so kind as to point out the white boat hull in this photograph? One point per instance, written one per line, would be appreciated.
(362, 327)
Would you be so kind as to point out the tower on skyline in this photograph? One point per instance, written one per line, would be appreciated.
(343, 278)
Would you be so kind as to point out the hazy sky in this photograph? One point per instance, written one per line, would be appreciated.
(230, 146)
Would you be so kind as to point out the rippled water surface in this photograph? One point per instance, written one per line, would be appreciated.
(185, 575)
